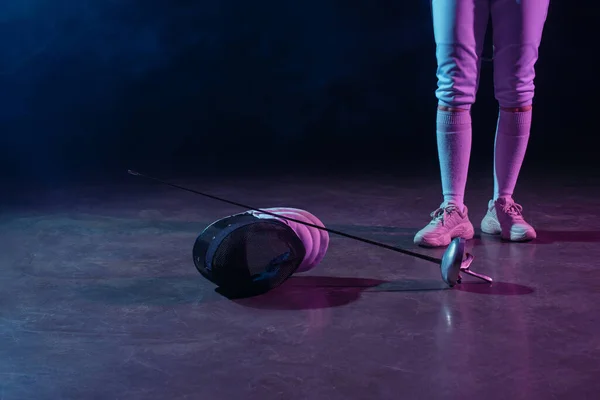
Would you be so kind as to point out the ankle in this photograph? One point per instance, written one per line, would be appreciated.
(457, 203)
(505, 197)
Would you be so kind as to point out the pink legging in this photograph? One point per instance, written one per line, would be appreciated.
(459, 29)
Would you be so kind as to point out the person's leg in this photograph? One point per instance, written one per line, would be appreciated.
(459, 31)
(518, 27)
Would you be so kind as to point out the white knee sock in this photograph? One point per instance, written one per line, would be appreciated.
(512, 136)
(454, 150)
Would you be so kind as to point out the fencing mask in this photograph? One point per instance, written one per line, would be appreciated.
(252, 252)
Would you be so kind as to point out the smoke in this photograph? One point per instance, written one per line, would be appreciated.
(80, 78)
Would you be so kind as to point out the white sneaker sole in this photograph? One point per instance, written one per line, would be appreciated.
(491, 226)
(464, 231)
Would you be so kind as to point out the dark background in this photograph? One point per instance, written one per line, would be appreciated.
(90, 88)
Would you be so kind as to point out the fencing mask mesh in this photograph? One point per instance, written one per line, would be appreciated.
(253, 252)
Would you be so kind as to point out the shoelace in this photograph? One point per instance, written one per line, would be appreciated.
(512, 209)
(440, 213)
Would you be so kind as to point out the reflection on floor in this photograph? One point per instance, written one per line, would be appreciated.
(100, 299)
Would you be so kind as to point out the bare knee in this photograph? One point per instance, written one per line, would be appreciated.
(517, 109)
(451, 109)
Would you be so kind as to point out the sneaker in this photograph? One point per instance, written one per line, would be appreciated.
(448, 222)
(505, 218)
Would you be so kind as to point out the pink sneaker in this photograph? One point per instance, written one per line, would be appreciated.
(504, 217)
(448, 222)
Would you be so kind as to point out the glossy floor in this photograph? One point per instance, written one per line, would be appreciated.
(99, 299)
